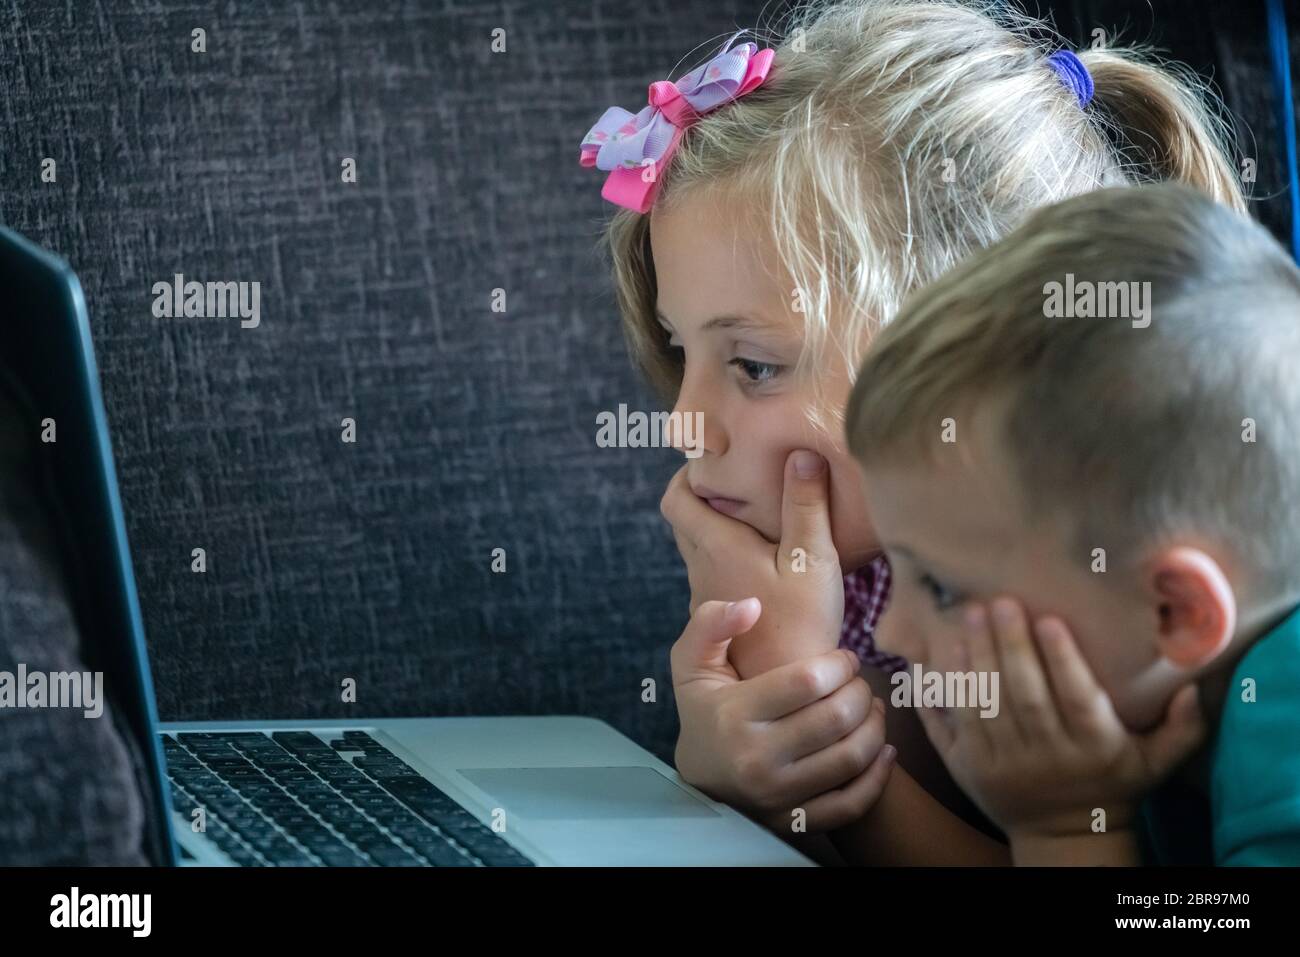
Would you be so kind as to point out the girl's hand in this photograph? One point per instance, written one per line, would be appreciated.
(1056, 752)
(798, 581)
(807, 736)
(804, 735)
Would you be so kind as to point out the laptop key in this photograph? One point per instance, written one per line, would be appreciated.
(342, 857)
(376, 810)
(390, 855)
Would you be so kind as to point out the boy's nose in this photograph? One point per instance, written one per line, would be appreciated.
(888, 636)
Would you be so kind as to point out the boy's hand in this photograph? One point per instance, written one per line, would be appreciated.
(799, 580)
(1056, 751)
(806, 735)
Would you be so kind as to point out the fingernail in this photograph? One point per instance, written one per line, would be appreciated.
(734, 606)
(975, 617)
(1004, 612)
(1046, 632)
(891, 752)
(808, 464)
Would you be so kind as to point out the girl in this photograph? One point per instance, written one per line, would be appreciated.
(780, 207)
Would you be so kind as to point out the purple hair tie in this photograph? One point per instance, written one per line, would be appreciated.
(1073, 74)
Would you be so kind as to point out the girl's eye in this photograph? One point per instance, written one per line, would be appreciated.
(943, 598)
(757, 372)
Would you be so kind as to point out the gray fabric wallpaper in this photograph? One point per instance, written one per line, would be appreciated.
(474, 429)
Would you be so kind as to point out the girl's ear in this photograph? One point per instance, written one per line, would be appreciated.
(1197, 607)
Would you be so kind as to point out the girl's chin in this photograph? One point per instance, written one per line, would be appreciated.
(771, 534)
(850, 561)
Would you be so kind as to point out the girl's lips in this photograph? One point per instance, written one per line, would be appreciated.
(727, 506)
(719, 503)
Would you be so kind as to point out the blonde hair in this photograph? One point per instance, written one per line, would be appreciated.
(894, 137)
(1183, 422)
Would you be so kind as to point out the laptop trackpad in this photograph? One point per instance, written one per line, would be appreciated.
(586, 793)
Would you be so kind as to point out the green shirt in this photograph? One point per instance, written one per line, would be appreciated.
(1255, 777)
(1253, 814)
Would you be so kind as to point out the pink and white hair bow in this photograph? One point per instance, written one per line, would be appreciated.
(636, 149)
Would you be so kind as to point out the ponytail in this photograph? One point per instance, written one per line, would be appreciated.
(1160, 123)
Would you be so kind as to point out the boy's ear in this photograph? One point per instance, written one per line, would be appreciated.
(1196, 606)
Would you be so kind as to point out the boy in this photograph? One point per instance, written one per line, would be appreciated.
(1100, 416)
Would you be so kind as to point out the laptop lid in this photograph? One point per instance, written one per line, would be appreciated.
(47, 363)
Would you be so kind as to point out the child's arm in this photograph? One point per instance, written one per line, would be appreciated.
(1117, 848)
(922, 817)
(907, 826)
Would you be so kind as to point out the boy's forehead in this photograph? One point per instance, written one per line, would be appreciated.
(956, 502)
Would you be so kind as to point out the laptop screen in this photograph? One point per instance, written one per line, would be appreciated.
(47, 369)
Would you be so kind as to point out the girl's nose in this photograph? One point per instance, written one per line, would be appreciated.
(697, 422)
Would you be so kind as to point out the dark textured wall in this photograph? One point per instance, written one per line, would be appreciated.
(1225, 43)
(475, 430)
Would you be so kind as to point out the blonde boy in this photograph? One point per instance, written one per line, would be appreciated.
(1136, 475)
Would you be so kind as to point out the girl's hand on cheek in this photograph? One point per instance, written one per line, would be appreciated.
(1055, 751)
(798, 581)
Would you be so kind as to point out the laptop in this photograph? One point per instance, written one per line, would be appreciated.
(440, 792)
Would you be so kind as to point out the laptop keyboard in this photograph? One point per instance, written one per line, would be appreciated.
(289, 799)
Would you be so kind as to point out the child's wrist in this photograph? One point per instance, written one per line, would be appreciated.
(1113, 815)
(1114, 847)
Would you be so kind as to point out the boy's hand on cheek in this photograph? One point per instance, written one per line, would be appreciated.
(1055, 753)
(799, 580)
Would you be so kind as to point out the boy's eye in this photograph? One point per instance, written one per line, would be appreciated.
(943, 598)
(756, 372)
